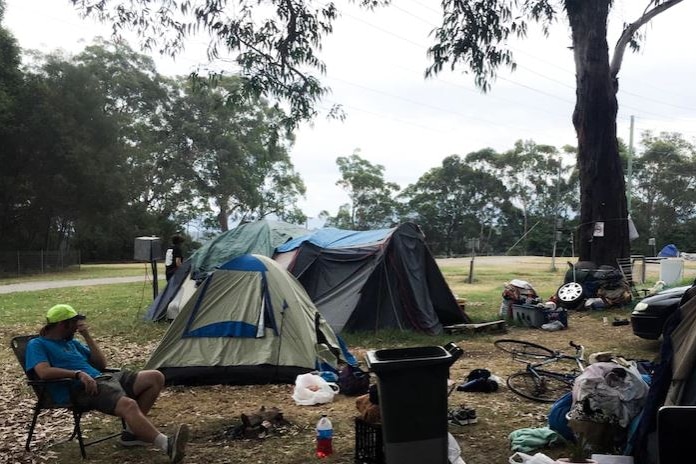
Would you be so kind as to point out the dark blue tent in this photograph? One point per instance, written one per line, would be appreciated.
(669, 251)
(372, 280)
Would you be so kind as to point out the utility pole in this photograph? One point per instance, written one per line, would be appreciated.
(629, 169)
(555, 217)
(473, 244)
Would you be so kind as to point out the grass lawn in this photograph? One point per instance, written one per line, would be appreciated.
(114, 314)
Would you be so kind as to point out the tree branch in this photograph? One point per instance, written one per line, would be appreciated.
(631, 29)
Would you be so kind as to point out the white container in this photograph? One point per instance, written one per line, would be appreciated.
(671, 270)
(612, 459)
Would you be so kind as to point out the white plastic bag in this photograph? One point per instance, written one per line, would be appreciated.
(522, 458)
(312, 389)
(454, 452)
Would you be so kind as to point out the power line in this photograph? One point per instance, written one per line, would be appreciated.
(565, 70)
(383, 116)
(478, 92)
(654, 100)
(519, 84)
(439, 12)
(426, 105)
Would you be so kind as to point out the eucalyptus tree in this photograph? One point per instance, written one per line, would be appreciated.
(139, 99)
(665, 187)
(77, 166)
(15, 172)
(476, 35)
(372, 203)
(276, 45)
(454, 202)
(236, 152)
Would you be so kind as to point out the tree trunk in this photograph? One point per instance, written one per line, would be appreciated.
(222, 216)
(603, 230)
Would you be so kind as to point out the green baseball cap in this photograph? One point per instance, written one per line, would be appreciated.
(62, 312)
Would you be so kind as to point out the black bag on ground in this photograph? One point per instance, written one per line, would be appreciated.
(353, 381)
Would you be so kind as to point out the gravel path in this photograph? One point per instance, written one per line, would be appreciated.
(45, 285)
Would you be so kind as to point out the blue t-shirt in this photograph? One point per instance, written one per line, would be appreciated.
(66, 354)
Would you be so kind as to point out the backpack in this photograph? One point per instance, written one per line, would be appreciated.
(557, 416)
(353, 381)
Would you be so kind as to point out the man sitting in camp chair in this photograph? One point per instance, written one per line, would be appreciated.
(126, 394)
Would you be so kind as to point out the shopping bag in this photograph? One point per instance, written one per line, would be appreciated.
(312, 389)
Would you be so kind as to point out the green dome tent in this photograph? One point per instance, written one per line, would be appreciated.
(249, 322)
(260, 237)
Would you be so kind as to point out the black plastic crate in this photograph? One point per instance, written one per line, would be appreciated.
(369, 446)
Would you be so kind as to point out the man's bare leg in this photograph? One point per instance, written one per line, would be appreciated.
(147, 387)
(129, 410)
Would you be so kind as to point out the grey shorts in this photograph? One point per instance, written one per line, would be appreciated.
(110, 388)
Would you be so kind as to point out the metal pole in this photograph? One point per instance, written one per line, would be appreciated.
(555, 218)
(155, 282)
(629, 168)
(471, 264)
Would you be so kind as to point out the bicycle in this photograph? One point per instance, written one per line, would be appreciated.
(537, 382)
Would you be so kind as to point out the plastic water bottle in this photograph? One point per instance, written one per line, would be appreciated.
(324, 437)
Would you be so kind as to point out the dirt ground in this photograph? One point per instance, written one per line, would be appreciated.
(210, 411)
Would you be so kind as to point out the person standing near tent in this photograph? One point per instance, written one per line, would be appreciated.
(55, 354)
(174, 256)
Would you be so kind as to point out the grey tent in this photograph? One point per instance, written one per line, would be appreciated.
(260, 237)
(373, 280)
(250, 322)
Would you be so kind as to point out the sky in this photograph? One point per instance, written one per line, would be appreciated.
(398, 119)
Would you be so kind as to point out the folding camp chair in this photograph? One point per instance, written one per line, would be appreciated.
(44, 401)
(626, 267)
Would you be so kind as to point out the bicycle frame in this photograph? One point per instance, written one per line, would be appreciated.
(537, 369)
(579, 361)
(567, 378)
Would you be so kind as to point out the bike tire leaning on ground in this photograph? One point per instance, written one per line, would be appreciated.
(524, 350)
(538, 387)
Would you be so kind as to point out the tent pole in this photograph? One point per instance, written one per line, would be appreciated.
(391, 296)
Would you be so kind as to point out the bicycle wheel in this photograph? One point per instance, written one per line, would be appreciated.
(538, 387)
(521, 349)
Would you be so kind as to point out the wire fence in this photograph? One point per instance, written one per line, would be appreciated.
(17, 263)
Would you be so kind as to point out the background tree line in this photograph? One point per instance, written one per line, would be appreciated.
(98, 148)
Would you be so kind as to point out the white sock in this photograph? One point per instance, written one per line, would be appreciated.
(162, 442)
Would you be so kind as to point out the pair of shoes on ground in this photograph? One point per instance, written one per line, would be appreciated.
(462, 416)
(176, 446)
(485, 385)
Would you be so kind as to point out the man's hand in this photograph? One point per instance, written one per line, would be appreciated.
(82, 327)
(89, 383)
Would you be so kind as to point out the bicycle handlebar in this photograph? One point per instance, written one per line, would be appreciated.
(579, 350)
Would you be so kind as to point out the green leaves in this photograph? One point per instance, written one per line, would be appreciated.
(236, 151)
(372, 203)
(475, 33)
